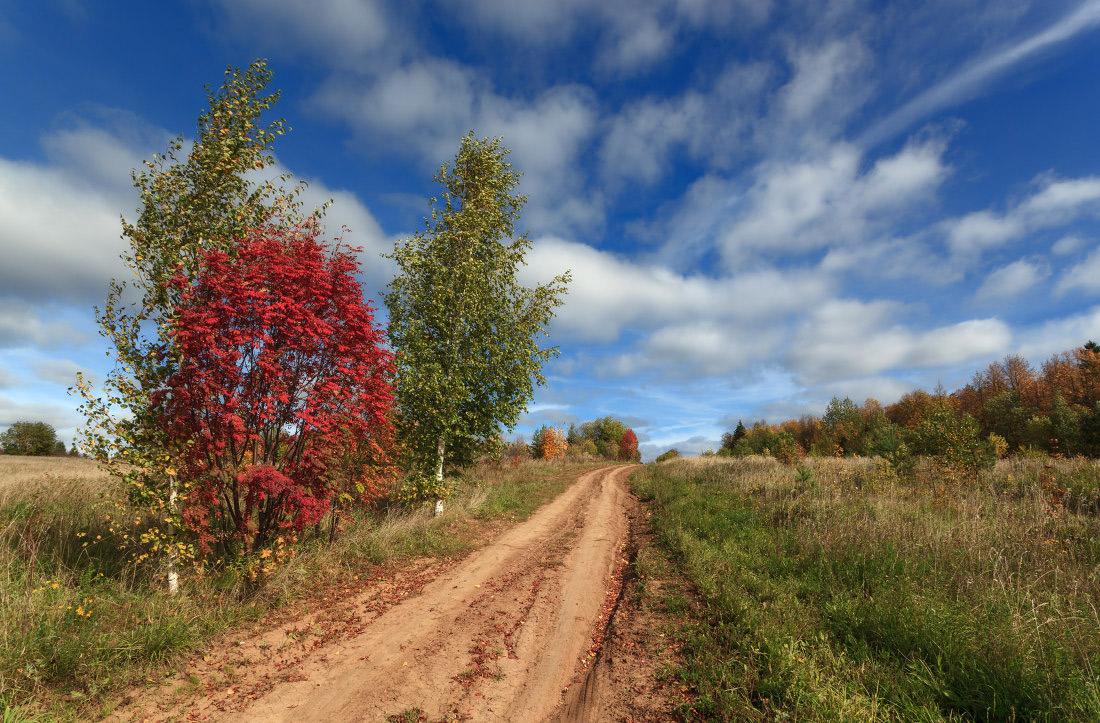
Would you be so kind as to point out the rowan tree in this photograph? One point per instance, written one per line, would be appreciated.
(195, 197)
(466, 332)
(281, 400)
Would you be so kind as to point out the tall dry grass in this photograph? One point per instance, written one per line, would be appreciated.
(837, 591)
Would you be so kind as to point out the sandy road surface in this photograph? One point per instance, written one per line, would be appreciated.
(498, 637)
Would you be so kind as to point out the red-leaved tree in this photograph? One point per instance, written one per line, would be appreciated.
(280, 408)
(628, 446)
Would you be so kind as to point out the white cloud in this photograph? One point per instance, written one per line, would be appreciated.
(634, 34)
(816, 203)
(1084, 277)
(344, 32)
(61, 371)
(1011, 280)
(1056, 203)
(1058, 335)
(427, 106)
(690, 447)
(61, 238)
(827, 86)
(609, 293)
(1067, 245)
(977, 76)
(56, 415)
(22, 325)
(842, 339)
(7, 379)
(712, 125)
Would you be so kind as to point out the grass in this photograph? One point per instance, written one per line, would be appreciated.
(836, 592)
(79, 620)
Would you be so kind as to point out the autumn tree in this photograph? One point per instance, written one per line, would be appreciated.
(549, 443)
(628, 447)
(195, 197)
(466, 332)
(282, 374)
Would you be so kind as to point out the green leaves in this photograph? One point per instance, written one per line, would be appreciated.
(464, 329)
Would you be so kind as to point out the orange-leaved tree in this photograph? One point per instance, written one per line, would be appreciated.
(628, 447)
(549, 443)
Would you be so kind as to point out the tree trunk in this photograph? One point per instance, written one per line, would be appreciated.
(173, 571)
(439, 449)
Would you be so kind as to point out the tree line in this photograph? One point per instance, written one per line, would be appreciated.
(37, 439)
(1007, 408)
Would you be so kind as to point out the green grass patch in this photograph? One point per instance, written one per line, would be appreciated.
(834, 593)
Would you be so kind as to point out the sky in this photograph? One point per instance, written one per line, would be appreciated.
(763, 203)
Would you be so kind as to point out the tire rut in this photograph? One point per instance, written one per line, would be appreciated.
(499, 636)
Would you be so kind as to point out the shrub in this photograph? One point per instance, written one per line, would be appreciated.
(666, 456)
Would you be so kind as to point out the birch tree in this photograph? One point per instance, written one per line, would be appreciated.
(465, 330)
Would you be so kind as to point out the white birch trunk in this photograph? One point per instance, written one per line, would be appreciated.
(439, 449)
(173, 571)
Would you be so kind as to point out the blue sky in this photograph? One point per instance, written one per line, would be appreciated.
(763, 204)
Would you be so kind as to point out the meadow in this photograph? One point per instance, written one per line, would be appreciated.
(833, 590)
(80, 619)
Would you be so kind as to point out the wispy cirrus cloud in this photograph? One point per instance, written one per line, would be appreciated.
(976, 76)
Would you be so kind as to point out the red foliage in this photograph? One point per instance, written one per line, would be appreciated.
(282, 401)
(628, 446)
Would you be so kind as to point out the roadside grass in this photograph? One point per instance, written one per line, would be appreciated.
(79, 619)
(836, 592)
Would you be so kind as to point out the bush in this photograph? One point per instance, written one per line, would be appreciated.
(952, 442)
(670, 454)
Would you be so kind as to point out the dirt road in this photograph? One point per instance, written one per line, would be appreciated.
(499, 636)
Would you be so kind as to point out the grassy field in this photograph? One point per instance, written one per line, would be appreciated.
(78, 620)
(835, 591)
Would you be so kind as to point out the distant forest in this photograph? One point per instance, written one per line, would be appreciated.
(1008, 408)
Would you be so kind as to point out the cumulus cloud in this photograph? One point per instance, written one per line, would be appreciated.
(690, 447)
(811, 204)
(553, 416)
(7, 379)
(1011, 280)
(1067, 245)
(634, 34)
(12, 411)
(714, 125)
(61, 238)
(629, 293)
(546, 135)
(1055, 203)
(344, 32)
(842, 339)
